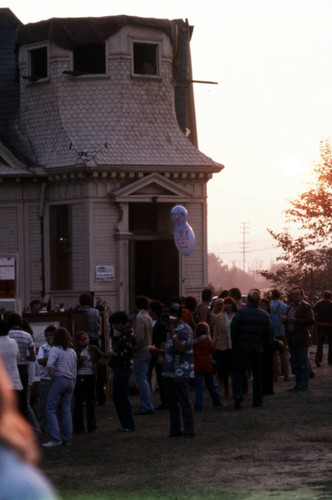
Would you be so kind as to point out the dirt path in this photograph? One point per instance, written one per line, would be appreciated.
(281, 450)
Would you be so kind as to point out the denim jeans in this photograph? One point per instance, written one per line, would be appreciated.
(44, 389)
(141, 368)
(61, 391)
(208, 378)
(300, 365)
(121, 396)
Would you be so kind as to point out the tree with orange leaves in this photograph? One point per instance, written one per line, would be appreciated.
(308, 257)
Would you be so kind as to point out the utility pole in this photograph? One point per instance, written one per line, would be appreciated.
(244, 230)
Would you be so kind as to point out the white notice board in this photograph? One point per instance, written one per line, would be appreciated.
(7, 268)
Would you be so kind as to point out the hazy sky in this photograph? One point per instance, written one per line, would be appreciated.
(265, 118)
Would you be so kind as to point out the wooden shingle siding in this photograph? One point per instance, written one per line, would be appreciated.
(194, 268)
(105, 217)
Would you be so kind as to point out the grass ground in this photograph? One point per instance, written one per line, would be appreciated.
(281, 450)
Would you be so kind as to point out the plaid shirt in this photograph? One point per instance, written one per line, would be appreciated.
(93, 325)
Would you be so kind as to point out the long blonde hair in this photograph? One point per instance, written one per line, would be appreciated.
(15, 432)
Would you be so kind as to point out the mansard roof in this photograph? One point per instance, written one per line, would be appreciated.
(10, 164)
(119, 135)
(10, 135)
(67, 32)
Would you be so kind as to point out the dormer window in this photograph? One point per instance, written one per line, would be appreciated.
(38, 69)
(90, 59)
(145, 59)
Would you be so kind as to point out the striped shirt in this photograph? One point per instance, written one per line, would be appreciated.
(25, 342)
(62, 362)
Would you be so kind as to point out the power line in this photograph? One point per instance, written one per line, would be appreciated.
(244, 248)
(241, 251)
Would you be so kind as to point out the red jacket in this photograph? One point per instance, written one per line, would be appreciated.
(203, 348)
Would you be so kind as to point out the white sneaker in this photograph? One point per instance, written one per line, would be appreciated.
(52, 444)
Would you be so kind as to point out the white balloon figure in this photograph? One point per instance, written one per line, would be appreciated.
(184, 236)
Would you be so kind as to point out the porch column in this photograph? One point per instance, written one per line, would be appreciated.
(122, 235)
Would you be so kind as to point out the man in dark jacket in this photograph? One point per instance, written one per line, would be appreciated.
(298, 319)
(323, 314)
(251, 330)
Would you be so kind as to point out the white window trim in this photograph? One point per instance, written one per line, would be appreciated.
(28, 50)
(157, 43)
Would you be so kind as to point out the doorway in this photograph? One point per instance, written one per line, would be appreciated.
(155, 269)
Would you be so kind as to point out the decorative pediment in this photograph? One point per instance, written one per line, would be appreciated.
(153, 187)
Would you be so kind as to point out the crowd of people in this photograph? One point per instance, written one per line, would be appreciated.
(219, 344)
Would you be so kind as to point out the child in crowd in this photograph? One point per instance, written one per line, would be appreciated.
(45, 380)
(203, 349)
(89, 357)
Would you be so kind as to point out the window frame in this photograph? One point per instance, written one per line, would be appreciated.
(29, 63)
(157, 44)
(77, 74)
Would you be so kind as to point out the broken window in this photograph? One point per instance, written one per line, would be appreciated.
(38, 63)
(145, 60)
(89, 59)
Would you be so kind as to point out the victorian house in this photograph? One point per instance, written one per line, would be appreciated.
(97, 144)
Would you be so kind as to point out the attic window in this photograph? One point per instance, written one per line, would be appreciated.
(89, 59)
(145, 58)
(38, 63)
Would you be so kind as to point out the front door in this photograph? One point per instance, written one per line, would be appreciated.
(155, 269)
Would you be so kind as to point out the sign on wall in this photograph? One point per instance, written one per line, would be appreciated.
(7, 277)
(105, 273)
(7, 268)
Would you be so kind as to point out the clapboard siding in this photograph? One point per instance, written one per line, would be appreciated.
(34, 250)
(105, 217)
(194, 264)
(80, 256)
(9, 230)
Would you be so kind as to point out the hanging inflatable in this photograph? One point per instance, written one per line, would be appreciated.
(184, 236)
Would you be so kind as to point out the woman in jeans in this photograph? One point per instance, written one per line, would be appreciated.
(61, 364)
